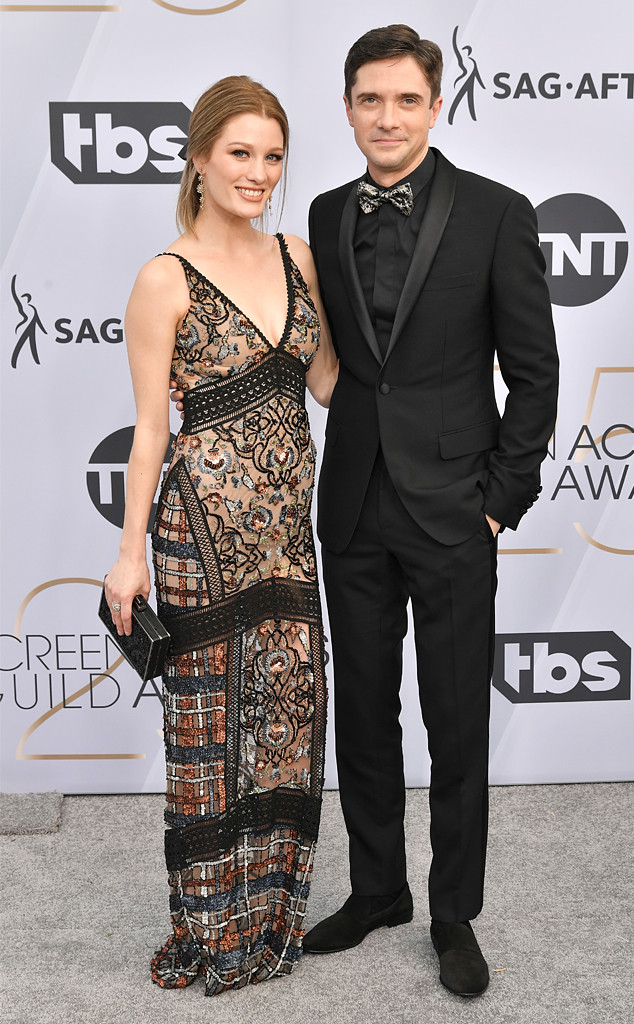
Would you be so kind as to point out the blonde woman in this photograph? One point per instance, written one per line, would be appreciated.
(233, 315)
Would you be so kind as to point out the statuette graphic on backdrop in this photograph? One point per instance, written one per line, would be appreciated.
(468, 78)
(27, 326)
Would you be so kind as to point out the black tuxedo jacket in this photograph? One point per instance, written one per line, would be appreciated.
(475, 286)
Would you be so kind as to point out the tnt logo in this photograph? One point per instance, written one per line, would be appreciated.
(106, 477)
(534, 668)
(116, 143)
(585, 247)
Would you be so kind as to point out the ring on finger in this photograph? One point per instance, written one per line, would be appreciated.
(116, 607)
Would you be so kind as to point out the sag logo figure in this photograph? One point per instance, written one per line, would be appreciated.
(30, 322)
(470, 78)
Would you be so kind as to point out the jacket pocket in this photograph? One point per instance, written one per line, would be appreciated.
(455, 281)
(468, 440)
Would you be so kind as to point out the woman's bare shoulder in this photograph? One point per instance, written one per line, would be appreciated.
(162, 271)
(301, 254)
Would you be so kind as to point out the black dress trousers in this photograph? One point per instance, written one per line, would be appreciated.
(389, 560)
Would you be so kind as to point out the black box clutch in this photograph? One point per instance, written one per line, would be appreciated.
(146, 647)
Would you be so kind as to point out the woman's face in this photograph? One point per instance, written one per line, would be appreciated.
(244, 165)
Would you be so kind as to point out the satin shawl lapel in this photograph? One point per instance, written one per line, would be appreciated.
(350, 273)
(441, 197)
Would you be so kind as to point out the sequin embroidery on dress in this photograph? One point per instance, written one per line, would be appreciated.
(244, 685)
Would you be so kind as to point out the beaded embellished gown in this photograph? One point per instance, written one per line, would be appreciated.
(244, 684)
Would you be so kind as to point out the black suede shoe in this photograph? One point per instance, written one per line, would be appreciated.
(350, 925)
(463, 969)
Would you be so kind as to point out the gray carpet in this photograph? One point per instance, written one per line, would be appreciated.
(30, 813)
(85, 906)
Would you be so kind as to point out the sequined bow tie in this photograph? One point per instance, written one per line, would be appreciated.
(371, 197)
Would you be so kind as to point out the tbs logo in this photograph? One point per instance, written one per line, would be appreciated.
(119, 143)
(534, 668)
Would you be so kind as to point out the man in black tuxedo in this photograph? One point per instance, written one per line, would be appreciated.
(425, 271)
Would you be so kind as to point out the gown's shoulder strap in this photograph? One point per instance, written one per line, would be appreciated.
(193, 277)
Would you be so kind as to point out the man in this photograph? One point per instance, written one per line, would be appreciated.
(425, 272)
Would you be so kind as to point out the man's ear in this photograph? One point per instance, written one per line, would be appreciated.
(435, 110)
(348, 110)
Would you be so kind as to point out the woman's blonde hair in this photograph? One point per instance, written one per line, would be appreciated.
(231, 96)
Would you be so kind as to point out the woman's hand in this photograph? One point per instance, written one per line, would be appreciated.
(177, 396)
(127, 578)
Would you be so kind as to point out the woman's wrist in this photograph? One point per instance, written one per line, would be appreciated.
(133, 552)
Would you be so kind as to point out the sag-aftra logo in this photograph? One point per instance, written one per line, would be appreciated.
(33, 331)
(535, 83)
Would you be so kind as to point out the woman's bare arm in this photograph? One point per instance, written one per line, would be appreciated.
(322, 374)
(156, 305)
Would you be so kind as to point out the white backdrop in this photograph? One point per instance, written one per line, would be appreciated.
(88, 189)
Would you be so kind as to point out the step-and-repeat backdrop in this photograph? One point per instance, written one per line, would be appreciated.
(95, 108)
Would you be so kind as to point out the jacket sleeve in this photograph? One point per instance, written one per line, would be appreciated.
(314, 237)
(312, 241)
(527, 355)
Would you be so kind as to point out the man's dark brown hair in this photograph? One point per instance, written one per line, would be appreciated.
(394, 41)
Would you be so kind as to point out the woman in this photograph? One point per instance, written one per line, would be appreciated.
(233, 315)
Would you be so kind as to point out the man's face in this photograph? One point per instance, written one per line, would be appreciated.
(391, 113)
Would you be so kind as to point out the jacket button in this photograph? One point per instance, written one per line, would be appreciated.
(384, 388)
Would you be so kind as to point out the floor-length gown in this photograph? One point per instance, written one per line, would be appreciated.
(244, 685)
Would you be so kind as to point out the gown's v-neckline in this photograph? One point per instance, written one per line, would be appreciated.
(286, 261)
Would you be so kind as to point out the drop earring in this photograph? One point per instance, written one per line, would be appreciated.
(270, 202)
(200, 188)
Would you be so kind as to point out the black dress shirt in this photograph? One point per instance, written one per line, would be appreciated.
(384, 243)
